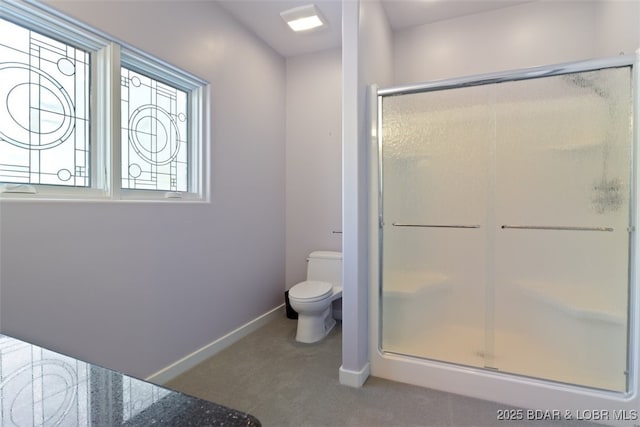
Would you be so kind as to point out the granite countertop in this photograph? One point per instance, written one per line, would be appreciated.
(39, 387)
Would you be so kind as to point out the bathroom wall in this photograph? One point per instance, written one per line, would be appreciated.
(526, 35)
(313, 158)
(366, 57)
(136, 286)
(618, 27)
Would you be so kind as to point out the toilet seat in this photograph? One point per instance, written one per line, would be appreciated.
(311, 290)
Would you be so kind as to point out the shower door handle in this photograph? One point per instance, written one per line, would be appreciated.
(542, 227)
(398, 224)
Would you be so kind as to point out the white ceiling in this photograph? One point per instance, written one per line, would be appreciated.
(263, 18)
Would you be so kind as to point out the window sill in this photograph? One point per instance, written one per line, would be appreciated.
(25, 194)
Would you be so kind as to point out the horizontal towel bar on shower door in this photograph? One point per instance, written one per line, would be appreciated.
(397, 224)
(542, 227)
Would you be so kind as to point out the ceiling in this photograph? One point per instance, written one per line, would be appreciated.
(263, 18)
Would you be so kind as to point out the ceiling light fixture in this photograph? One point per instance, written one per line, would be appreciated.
(304, 18)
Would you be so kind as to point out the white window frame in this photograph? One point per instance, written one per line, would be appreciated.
(107, 55)
(151, 67)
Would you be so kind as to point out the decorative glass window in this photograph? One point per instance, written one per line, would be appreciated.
(44, 109)
(85, 116)
(154, 134)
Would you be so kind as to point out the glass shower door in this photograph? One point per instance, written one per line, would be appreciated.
(563, 150)
(434, 152)
(506, 226)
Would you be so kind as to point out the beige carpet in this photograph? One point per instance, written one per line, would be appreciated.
(285, 383)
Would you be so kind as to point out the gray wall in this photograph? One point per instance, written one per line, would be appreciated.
(136, 286)
(526, 35)
(314, 159)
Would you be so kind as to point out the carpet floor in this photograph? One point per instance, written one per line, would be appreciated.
(285, 383)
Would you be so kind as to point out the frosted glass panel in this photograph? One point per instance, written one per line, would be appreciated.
(505, 237)
(435, 149)
(563, 154)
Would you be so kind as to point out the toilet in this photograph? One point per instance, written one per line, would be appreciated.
(313, 299)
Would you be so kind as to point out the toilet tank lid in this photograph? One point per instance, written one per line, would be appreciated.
(325, 255)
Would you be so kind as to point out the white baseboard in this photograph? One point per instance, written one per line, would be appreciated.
(183, 365)
(354, 378)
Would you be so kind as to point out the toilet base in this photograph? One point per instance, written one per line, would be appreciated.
(314, 328)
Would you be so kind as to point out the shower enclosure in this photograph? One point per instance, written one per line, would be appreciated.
(506, 223)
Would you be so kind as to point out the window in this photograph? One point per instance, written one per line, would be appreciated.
(154, 122)
(85, 116)
(44, 109)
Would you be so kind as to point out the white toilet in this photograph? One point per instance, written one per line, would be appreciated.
(313, 298)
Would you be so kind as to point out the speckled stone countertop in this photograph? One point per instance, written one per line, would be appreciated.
(39, 387)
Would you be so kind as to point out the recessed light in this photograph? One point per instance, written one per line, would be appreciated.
(304, 18)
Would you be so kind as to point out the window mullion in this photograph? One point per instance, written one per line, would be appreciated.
(114, 130)
(199, 132)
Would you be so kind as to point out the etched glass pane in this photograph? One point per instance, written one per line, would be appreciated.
(154, 122)
(44, 109)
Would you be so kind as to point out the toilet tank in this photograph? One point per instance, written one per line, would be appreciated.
(325, 266)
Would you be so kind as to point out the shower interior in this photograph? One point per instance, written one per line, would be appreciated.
(505, 225)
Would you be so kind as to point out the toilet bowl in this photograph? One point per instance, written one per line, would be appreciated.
(313, 299)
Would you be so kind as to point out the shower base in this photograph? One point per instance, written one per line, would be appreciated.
(513, 353)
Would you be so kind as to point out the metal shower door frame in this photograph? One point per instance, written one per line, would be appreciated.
(633, 61)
